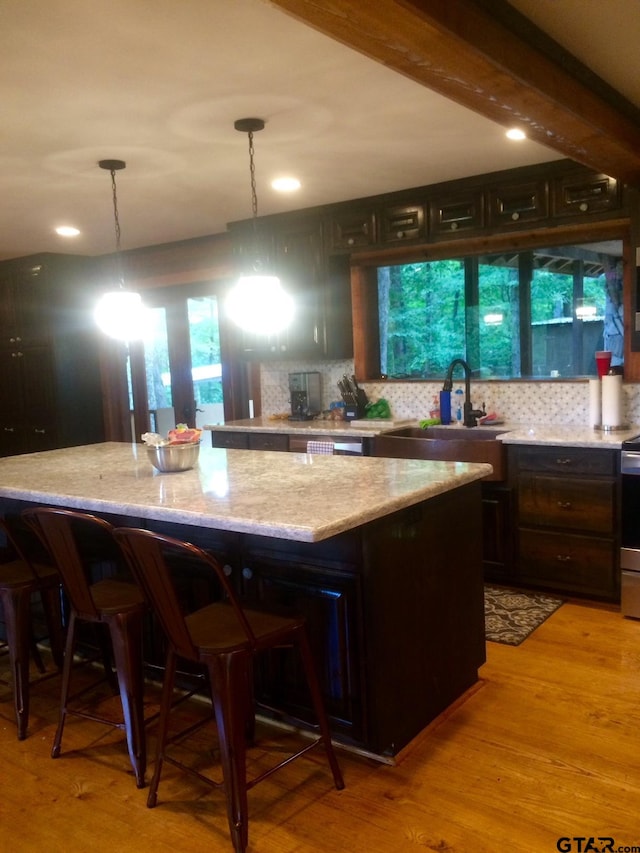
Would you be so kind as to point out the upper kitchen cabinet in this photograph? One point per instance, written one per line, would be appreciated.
(50, 380)
(518, 202)
(455, 212)
(293, 247)
(402, 223)
(350, 227)
(580, 193)
(22, 320)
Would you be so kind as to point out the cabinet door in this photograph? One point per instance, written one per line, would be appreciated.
(402, 223)
(23, 307)
(453, 213)
(329, 601)
(580, 194)
(27, 400)
(351, 228)
(518, 203)
(300, 265)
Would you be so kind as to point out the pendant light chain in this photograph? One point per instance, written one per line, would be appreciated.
(252, 172)
(115, 208)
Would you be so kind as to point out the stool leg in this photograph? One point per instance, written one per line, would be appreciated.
(16, 605)
(318, 704)
(228, 674)
(163, 725)
(53, 615)
(126, 637)
(66, 683)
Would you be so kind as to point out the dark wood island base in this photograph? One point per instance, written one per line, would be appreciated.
(395, 605)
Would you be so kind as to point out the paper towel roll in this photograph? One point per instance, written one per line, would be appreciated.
(612, 400)
(595, 402)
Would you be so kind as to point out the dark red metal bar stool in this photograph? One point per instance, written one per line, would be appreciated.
(223, 638)
(25, 574)
(75, 540)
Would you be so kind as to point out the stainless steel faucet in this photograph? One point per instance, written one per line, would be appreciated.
(469, 413)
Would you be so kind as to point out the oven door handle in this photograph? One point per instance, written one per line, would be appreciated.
(630, 462)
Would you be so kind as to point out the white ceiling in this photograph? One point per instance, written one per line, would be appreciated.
(159, 85)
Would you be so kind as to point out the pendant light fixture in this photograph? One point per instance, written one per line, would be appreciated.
(257, 302)
(120, 312)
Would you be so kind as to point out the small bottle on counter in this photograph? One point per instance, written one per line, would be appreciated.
(457, 406)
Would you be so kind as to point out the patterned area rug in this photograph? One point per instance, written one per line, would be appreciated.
(510, 616)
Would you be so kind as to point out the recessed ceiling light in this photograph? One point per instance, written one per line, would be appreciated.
(286, 185)
(515, 133)
(67, 231)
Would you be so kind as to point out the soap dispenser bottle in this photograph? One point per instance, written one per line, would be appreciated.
(457, 406)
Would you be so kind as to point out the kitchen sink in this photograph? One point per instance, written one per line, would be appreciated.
(446, 444)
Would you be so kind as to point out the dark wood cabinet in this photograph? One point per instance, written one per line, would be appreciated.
(567, 520)
(327, 593)
(351, 227)
(402, 223)
(50, 386)
(580, 193)
(456, 212)
(518, 202)
(294, 249)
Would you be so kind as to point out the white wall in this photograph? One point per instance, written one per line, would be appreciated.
(549, 402)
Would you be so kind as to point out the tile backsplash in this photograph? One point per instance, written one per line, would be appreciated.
(548, 402)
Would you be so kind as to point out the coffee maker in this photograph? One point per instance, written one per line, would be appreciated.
(304, 389)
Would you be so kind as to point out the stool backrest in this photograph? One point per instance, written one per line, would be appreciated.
(151, 557)
(25, 545)
(75, 542)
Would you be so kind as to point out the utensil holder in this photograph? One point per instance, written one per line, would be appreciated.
(357, 410)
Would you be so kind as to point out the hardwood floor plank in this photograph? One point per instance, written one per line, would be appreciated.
(547, 746)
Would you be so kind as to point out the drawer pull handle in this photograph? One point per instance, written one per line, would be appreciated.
(563, 558)
(247, 573)
(564, 461)
(564, 504)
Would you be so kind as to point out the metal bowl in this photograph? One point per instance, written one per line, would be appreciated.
(174, 457)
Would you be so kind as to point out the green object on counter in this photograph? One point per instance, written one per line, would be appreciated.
(427, 422)
(379, 409)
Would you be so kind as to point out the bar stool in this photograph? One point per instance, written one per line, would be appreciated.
(22, 577)
(223, 638)
(74, 540)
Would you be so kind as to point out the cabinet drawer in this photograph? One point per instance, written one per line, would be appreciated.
(580, 564)
(568, 460)
(575, 503)
(232, 440)
(350, 229)
(268, 441)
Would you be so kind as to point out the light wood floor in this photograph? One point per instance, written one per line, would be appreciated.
(548, 746)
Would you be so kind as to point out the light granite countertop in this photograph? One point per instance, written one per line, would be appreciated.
(295, 496)
(508, 433)
(359, 429)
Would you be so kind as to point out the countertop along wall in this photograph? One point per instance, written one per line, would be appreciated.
(522, 401)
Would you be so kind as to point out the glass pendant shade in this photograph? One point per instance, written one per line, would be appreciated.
(259, 305)
(122, 315)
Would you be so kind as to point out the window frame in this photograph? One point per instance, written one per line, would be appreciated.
(364, 287)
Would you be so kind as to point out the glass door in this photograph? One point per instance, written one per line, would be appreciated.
(182, 360)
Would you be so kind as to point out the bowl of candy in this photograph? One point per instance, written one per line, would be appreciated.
(178, 452)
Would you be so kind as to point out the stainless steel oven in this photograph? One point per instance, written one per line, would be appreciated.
(630, 528)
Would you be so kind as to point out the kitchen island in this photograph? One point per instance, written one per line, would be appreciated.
(383, 557)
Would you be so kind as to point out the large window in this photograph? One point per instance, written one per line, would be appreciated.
(534, 314)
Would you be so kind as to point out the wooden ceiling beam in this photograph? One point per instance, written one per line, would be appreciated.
(489, 58)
